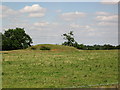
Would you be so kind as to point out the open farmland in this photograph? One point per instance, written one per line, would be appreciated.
(60, 67)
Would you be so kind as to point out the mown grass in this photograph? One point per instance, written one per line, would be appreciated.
(62, 67)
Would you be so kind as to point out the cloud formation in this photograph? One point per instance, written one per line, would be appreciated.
(81, 27)
(72, 15)
(102, 13)
(33, 8)
(41, 24)
(107, 24)
(109, 1)
(86, 26)
(107, 18)
(45, 25)
(34, 11)
(7, 12)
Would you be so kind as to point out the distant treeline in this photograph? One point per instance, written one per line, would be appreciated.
(96, 47)
(70, 41)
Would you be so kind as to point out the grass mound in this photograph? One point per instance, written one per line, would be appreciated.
(53, 47)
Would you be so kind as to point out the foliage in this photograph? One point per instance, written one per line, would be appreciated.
(44, 48)
(98, 47)
(69, 39)
(33, 48)
(15, 39)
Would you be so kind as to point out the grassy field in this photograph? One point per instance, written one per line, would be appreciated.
(61, 67)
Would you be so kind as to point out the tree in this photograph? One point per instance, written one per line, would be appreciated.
(81, 46)
(108, 47)
(15, 39)
(118, 47)
(69, 39)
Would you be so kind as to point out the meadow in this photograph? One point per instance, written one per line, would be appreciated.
(60, 67)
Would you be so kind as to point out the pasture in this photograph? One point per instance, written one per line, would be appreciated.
(60, 67)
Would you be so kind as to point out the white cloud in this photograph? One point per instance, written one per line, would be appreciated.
(7, 12)
(72, 15)
(41, 24)
(85, 27)
(36, 14)
(107, 24)
(34, 10)
(110, 1)
(102, 13)
(107, 18)
(44, 25)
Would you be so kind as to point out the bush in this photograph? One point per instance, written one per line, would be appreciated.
(33, 48)
(45, 48)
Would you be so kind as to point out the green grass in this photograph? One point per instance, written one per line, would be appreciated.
(54, 47)
(60, 67)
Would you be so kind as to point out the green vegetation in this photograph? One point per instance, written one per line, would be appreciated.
(60, 67)
(14, 39)
(70, 41)
(53, 47)
(44, 48)
(56, 66)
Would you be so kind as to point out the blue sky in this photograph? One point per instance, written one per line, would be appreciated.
(45, 22)
(90, 7)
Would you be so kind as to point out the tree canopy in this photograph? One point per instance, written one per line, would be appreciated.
(70, 41)
(15, 39)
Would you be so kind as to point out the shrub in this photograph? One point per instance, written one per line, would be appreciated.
(45, 48)
(33, 48)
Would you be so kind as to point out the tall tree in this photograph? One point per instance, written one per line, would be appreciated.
(15, 39)
(70, 41)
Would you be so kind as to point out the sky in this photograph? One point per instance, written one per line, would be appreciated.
(45, 22)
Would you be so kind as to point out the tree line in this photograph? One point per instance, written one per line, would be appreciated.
(96, 47)
(13, 39)
(70, 41)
